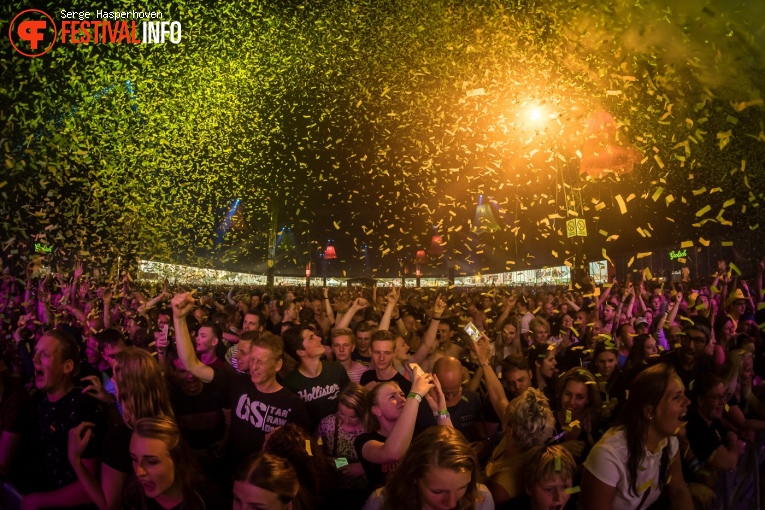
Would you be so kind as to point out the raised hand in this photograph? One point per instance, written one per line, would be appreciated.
(96, 390)
(422, 384)
(439, 306)
(78, 271)
(182, 304)
(435, 397)
(481, 349)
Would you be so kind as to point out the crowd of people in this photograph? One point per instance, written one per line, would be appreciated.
(626, 395)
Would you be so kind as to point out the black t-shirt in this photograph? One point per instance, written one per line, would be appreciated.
(704, 439)
(115, 452)
(371, 376)
(200, 417)
(464, 415)
(319, 393)
(253, 413)
(359, 358)
(56, 420)
(376, 473)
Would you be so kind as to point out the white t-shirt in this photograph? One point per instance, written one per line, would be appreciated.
(376, 499)
(607, 461)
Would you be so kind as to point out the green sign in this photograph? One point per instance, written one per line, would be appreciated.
(673, 255)
(41, 248)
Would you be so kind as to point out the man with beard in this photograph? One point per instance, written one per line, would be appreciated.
(690, 360)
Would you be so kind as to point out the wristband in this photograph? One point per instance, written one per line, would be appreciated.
(395, 318)
(435, 318)
(442, 415)
(415, 396)
(483, 364)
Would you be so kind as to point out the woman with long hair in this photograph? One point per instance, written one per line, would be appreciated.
(167, 476)
(508, 341)
(744, 412)
(578, 414)
(567, 334)
(643, 353)
(142, 392)
(606, 370)
(338, 432)
(267, 481)
(637, 460)
(543, 369)
(392, 418)
(725, 330)
(440, 470)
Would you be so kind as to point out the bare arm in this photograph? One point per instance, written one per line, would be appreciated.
(396, 444)
(152, 303)
(679, 495)
(597, 495)
(509, 304)
(358, 304)
(493, 386)
(393, 296)
(328, 307)
(182, 304)
(106, 494)
(429, 339)
(74, 494)
(604, 295)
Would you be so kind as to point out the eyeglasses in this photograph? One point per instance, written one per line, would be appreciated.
(698, 340)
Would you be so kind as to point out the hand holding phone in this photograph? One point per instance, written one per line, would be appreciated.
(472, 331)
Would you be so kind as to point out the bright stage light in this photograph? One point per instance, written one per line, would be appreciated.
(535, 114)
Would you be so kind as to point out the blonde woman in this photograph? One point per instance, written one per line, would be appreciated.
(338, 432)
(529, 422)
(142, 392)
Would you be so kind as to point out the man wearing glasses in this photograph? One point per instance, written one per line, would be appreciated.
(690, 360)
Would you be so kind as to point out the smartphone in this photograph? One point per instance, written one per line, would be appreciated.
(166, 331)
(472, 332)
(419, 372)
